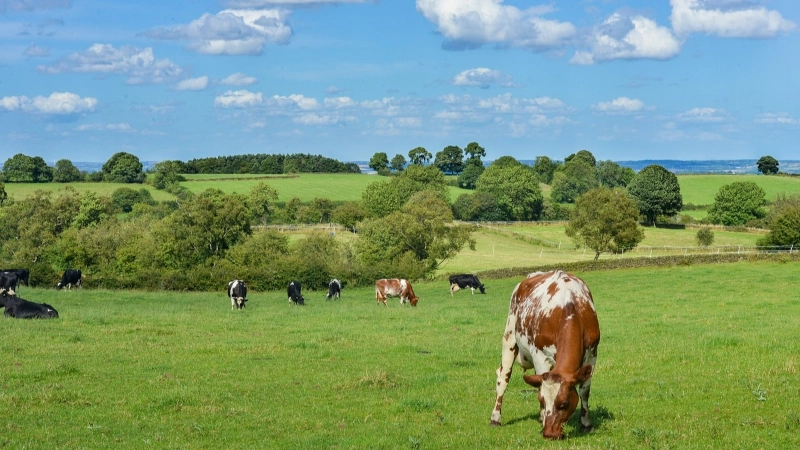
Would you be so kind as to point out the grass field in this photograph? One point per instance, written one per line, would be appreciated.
(701, 189)
(306, 187)
(19, 191)
(690, 357)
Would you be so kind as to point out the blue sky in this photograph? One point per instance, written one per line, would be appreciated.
(626, 80)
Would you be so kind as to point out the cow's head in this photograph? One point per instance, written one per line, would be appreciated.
(413, 299)
(482, 288)
(557, 398)
(240, 302)
(59, 286)
(300, 300)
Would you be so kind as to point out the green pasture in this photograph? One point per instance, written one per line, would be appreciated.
(690, 357)
(20, 191)
(701, 189)
(306, 187)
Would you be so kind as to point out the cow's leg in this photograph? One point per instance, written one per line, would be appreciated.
(473, 290)
(510, 350)
(233, 303)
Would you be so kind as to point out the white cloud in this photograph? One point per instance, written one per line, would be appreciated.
(34, 51)
(140, 65)
(622, 37)
(298, 100)
(473, 23)
(727, 19)
(124, 127)
(193, 84)
(32, 5)
(620, 104)
(261, 3)
(315, 119)
(239, 99)
(338, 102)
(541, 120)
(231, 31)
(506, 103)
(777, 119)
(238, 79)
(62, 103)
(702, 115)
(482, 77)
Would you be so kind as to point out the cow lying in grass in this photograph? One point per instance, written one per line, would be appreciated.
(23, 309)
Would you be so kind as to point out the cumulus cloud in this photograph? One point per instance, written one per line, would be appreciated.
(122, 127)
(325, 119)
(473, 23)
(727, 19)
(238, 79)
(58, 103)
(193, 84)
(777, 119)
(507, 103)
(32, 5)
(262, 3)
(34, 51)
(139, 65)
(482, 77)
(295, 100)
(339, 102)
(239, 99)
(702, 115)
(620, 105)
(623, 37)
(231, 31)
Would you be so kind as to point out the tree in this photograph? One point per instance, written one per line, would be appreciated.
(474, 151)
(785, 230)
(379, 162)
(384, 197)
(657, 192)
(398, 163)
(260, 200)
(450, 160)
(505, 161)
(3, 193)
(471, 173)
(479, 206)
(419, 156)
(583, 155)
(21, 168)
(605, 220)
(611, 174)
(66, 172)
(91, 211)
(737, 203)
(123, 167)
(572, 180)
(704, 237)
(544, 168)
(516, 189)
(124, 198)
(767, 165)
(167, 173)
(348, 215)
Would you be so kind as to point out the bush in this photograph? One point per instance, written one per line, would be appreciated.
(704, 237)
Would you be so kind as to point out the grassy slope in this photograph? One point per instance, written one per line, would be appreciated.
(682, 364)
(19, 191)
(701, 189)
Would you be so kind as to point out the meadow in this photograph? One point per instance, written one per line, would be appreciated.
(690, 357)
(701, 189)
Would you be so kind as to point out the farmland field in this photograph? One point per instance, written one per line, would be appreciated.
(19, 191)
(690, 357)
(701, 189)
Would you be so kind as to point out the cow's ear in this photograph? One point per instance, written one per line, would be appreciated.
(533, 380)
(584, 373)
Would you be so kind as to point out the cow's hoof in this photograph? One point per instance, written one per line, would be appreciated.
(585, 429)
(494, 423)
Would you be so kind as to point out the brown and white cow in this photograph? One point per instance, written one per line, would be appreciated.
(395, 287)
(552, 327)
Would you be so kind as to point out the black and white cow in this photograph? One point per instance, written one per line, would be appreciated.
(23, 309)
(465, 281)
(293, 290)
(237, 291)
(334, 290)
(23, 275)
(71, 277)
(8, 283)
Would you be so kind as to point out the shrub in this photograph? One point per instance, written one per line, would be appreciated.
(704, 237)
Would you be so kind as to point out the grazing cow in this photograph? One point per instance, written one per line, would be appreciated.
(395, 287)
(8, 283)
(334, 289)
(23, 275)
(23, 309)
(237, 291)
(462, 281)
(552, 327)
(293, 290)
(71, 277)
